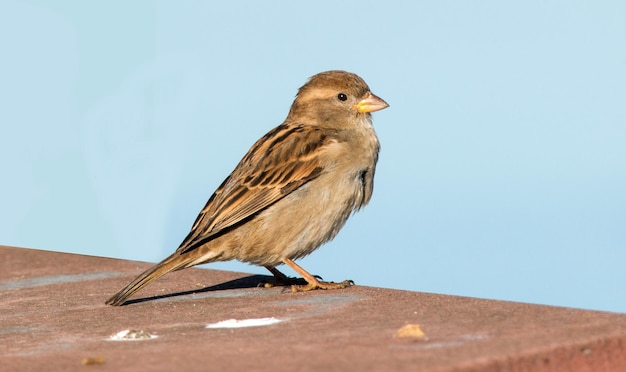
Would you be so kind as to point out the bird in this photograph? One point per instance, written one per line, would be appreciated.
(292, 191)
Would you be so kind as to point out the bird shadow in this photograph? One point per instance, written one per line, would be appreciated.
(251, 281)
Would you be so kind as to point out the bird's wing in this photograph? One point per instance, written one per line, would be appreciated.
(277, 164)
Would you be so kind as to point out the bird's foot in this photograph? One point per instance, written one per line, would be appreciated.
(318, 284)
(313, 281)
(281, 279)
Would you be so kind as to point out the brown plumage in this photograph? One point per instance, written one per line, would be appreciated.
(293, 190)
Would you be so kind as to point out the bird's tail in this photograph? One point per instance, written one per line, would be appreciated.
(171, 263)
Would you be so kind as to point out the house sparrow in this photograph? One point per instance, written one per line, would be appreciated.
(292, 191)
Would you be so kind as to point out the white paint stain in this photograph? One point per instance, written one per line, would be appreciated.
(234, 323)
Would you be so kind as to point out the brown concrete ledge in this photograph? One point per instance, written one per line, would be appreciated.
(53, 317)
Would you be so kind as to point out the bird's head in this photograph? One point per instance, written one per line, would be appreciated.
(332, 98)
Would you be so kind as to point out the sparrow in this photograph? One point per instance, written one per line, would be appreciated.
(294, 189)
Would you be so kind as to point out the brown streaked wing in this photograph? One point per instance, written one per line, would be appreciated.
(277, 164)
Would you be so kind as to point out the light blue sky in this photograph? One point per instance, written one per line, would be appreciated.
(503, 164)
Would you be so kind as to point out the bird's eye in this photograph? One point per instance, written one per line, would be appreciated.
(342, 96)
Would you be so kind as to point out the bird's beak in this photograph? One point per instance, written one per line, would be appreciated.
(370, 103)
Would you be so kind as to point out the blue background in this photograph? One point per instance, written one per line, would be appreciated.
(503, 164)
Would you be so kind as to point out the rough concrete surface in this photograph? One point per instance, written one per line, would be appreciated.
(53, 318)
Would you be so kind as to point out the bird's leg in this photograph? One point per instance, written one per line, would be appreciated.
(281, 278)
(312, 281)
